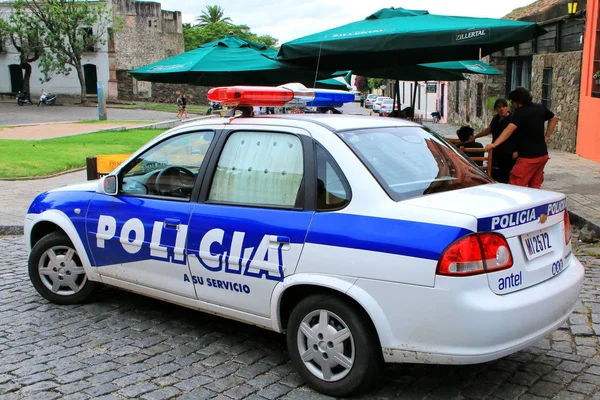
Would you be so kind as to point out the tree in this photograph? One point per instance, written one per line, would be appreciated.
(362, 84)
(213, 14)
(28, 44)
(68, 29)
(195, 35)
(375, 83)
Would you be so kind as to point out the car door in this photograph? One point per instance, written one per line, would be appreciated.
(139, 235)
(248, 230)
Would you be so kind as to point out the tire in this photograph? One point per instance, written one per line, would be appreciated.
(20, 102)
(62, 280)
(358, 346)
(39, 102)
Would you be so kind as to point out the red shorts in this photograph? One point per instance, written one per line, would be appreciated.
(528, 172)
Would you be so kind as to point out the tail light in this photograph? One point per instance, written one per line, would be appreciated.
(475, 254)
(567, 227)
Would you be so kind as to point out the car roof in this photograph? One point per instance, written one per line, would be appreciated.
(331, 122)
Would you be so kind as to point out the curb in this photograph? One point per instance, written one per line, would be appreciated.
(11, 230)
(30, 178)
(582, 222)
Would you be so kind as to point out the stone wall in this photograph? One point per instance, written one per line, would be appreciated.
(149, 34)
(131, 89)
(566, 83)
(494, 86)
(566, 79)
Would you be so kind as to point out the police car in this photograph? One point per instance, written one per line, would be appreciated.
(363, 240)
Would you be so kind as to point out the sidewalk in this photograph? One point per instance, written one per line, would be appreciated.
(568, 173)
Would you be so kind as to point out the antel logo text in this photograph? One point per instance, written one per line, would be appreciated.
(470, 35)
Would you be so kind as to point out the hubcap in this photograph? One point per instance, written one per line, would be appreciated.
(61, 271)
(326, 345)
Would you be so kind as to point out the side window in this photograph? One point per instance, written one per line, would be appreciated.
(259, 168)
(168, 169)
(333, 190)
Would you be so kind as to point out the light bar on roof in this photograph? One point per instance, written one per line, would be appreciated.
(262, 96)
(259, 96)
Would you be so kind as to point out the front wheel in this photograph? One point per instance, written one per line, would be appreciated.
(332, 346)
(39, 102)
(56, 271)
(20, 102)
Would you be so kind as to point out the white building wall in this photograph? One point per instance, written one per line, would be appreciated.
(59, 84)
(429, 102)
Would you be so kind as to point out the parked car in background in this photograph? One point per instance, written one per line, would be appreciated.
(370, 100)
(356, 96)
(378, 102)
(386, 106)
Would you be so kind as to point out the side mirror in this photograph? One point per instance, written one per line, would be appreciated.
(108, 185)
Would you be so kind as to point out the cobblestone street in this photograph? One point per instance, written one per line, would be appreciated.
(123, 345)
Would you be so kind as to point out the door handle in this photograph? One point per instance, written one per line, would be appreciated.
(279, 242)
(279, 239)
(172, 223)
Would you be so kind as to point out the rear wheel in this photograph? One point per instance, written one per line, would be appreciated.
(56, 271)
(332, 346)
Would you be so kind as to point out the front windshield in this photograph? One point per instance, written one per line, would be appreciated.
(410, 162)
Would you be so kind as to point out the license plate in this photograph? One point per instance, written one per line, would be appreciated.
(536, 244)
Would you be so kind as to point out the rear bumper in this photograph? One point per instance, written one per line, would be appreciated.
(453, 324)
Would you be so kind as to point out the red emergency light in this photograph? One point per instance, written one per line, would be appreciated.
(260, 96)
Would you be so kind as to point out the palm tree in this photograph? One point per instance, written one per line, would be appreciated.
(211, 15)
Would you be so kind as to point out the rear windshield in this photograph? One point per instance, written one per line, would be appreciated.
(411, 162)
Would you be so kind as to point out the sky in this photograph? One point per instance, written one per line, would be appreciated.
(291, 19)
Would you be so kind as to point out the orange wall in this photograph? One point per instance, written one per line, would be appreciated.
(588, 132)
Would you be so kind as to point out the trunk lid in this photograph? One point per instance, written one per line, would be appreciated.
(532, 221)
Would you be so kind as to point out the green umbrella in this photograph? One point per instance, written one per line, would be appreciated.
(333, 83)
(442, 71)
(395, 37)
(467, 67)
(228, 61)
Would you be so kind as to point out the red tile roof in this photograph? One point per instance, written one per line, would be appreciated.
(531, 9)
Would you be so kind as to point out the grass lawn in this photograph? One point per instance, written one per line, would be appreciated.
(161, 107)
(30, 158)
(118, 121)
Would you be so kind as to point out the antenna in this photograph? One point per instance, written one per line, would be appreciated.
(318, 61)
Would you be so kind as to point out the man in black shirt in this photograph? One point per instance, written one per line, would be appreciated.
(527, 124)
(504, 155)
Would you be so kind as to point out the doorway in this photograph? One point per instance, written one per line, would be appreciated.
(91, 79)
(16, 78)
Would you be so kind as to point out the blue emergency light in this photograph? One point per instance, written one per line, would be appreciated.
(330, 98)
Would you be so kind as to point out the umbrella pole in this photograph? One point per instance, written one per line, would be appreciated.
(396, 95)
(414, 99)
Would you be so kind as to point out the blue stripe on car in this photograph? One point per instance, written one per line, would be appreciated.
(401, 237)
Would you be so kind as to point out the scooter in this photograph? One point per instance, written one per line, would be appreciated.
(23, 98)
(212, 106)
(47, 98)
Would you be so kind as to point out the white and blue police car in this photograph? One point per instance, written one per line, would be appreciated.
(364, 240)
